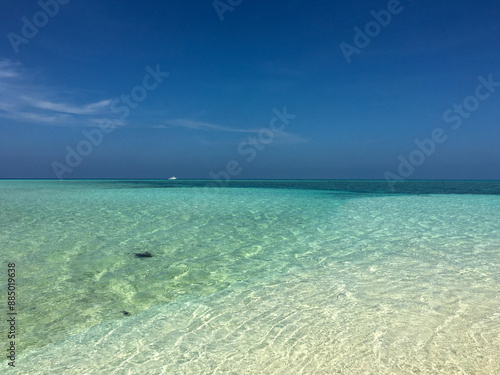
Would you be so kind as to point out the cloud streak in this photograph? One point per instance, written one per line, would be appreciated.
(281, 137)
(21, 100)
(198, 125)
(88, 109)
(7, 69)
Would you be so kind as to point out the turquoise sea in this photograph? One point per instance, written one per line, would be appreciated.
(256, 277)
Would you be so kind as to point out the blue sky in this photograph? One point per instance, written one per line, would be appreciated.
(354, 117)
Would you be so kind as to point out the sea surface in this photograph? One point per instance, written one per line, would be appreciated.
(255, 277)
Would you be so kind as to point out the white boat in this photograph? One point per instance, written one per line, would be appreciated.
(173, 178)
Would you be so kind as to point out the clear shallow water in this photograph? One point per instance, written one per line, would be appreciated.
(274, 277)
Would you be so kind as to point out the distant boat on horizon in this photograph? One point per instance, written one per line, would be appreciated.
(173, 178)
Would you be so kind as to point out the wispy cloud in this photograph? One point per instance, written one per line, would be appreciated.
(280, 137)
(22, 100)
(38, 117)
(289, 138)
(198, 125)
(87, 109)
(7, 69)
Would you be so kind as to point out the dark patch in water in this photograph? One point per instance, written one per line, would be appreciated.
(147, 254)
(126, 313)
